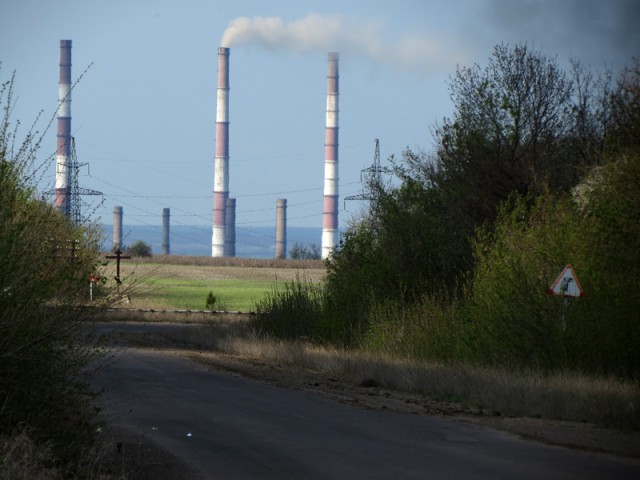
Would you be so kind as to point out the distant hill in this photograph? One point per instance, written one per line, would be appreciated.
(251, 242)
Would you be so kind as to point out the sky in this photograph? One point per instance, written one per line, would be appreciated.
(143, 112)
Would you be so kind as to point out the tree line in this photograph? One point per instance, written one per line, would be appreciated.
(538, 167)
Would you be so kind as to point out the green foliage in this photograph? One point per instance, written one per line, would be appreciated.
(355, 273)
(45, 263)
(292, 312)
(537, 168)
(521, 125)
(211, 300)
(139, 248)
(432, 329)
(515, 322)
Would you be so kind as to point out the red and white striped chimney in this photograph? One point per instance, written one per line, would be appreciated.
(221, 168)
(63, 153)
(330, 210)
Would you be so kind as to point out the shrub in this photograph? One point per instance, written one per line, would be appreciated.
(211, 301)
(45, 263)
(516, 324)
(292, 311)
(431, 329)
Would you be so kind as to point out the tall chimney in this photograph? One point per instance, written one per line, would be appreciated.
(230, 229)
(330, 211)
(281, 228)
(166, 247)
(117, 228)
(63, 153)
(221, 168)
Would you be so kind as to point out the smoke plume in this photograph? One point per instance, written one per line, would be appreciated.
(324, 33)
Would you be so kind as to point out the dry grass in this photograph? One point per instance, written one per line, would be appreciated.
(207, 268)
(566, 396)
(232, 262)
(20, 458)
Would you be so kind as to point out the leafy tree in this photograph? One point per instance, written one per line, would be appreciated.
(521, 125)
(139, 248)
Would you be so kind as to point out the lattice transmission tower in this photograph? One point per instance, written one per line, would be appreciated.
(75, 192)
(371, 178)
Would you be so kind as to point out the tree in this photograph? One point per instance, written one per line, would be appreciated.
(521, 125)
(139, 248)
(624, 132)
(304, 252)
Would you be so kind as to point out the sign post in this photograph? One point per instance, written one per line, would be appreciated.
(566, 285)
(93, 278)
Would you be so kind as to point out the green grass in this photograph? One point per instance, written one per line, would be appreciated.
(231, 294)
(185, 282)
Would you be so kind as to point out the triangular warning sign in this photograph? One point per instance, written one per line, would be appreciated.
(567, 284)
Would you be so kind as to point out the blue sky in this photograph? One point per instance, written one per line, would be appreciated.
(143, 116)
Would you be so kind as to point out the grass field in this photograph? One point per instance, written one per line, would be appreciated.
(185, 282)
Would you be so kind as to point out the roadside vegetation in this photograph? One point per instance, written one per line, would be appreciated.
(45, 263)
(486, 391)
(538, 167)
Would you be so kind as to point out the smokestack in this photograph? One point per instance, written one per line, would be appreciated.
(330, 211)
(221, 168)
(63, 153)
(117, 228)
(166, 248)
(230, 229)
(281, 228)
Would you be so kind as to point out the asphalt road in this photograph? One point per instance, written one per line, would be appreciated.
(229, 427)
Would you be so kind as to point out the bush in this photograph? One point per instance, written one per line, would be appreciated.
(45, 263)
(516, 324)
(432, 329)
(292, 311)
(211, 301)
